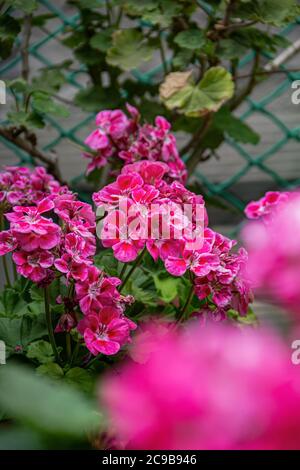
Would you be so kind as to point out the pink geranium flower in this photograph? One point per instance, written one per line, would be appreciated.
(79, 248)
(121, 189)
(199, 263)
(106, 332)
(97, 140)
(69, 209)
(31, 229)
(151, 172)
(97, 291)
(125, 138)
(114, 122)
(33, 265)
(73, 269)
(8, 242)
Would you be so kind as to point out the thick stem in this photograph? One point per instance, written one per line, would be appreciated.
(250, 85)
(133, 268)
(194, 158)
(49, 324)
(25, 46)
(25, 145)
(163, 55)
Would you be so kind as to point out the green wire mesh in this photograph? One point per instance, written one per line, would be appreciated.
(222, 189)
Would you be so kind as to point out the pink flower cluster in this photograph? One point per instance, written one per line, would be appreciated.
(20, 186)
(121, 137)
(274, 253)
(217, 272)
(207, 388)
(56, 237)
(39, 244)
(138, 203)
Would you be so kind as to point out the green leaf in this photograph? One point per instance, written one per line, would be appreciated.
(142, 287)
(274, 12)
(30, 120)
(79, 378)
(163, 14)
(41, 351)
(254, 38)
(43, 103)
(95, 98)
(138, 8)
(36, 401)
(167, 287)
(190, 39)
(16, 438)
(51, 370)
(129, 49)
(49, 80)
(87, 55)
(249, 319)
(105, 260)
(35, 120)
(21, 331)
(13, 305)
(36, 293)
(102, 41)
(229, 49)
(89, 4)
(18, 85)
(9, 27)
(238, 130)
(41, 20)
(179, 92)
(28, 6)
(183, 58)
(9, 30)
(74, 40)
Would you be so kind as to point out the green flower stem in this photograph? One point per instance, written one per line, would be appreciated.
(14, 271)
(186, 305)
(68, 346)
(123, 271)
(94, 359)
(5, 267)
(4, 260)
(75, 353)
(133, 268)
(49, 324)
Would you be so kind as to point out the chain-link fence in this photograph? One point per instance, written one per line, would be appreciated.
(273, 163)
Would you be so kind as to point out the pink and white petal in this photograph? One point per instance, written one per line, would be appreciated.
(175, 266)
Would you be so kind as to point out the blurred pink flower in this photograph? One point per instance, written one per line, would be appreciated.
(265, 206)
(207, 388)
(274, 254)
